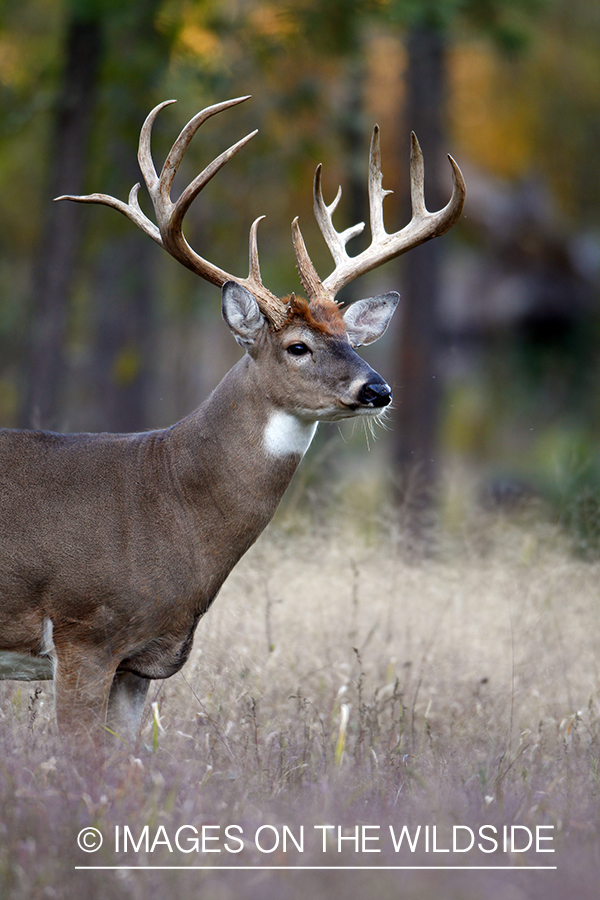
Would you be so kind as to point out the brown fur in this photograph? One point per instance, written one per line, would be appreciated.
(323, 316)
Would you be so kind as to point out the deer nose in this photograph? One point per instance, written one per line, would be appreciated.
(377, 393)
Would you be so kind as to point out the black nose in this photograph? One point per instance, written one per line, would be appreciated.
(378, 393)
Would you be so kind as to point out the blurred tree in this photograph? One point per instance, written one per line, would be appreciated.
(111, 49)
(59, 238)
(430, 25)
(417, 380)
(123, 294)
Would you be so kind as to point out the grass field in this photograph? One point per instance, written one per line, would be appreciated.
(343, 680)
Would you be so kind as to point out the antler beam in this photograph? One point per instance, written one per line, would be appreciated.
(169, 215)
(422, 227)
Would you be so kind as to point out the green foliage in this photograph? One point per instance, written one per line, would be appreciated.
(94, 10)
(574, 491)
(507, 22)
(334, 27)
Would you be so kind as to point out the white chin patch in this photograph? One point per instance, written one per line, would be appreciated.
(286, 434)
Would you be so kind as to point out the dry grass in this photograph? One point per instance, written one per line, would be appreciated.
(470, 683)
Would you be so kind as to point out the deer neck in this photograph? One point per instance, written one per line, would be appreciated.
(236, 454)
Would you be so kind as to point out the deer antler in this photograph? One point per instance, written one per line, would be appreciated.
(422, 227)
(169, 215)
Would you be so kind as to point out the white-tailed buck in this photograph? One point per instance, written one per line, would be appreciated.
(113, 546)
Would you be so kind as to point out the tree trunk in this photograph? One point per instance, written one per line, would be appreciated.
(354, 145)
(125, 308)
(417, 384)
(124, 311)
(60, 234)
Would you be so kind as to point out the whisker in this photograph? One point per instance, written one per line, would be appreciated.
(366, 423)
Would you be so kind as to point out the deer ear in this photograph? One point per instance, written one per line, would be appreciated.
(241, 313)
(367, 320)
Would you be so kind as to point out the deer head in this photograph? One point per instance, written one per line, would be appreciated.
(310, 341)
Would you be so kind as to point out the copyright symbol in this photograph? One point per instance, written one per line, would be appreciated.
(89, 839)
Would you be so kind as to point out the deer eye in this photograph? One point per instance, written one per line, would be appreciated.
(298, 349)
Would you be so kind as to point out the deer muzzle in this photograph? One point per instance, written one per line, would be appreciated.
(375, 393)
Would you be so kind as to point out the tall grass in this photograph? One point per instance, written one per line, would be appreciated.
(341, 680)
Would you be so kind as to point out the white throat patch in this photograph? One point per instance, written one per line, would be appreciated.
(286, 434)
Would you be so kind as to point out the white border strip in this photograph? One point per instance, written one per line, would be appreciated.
(326, 868)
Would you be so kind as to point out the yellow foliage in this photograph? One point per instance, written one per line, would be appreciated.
(386, 65)
(126, 366)
(199, 41)
(269, 21)
(468, 425)
(9, 58)
(492, 115)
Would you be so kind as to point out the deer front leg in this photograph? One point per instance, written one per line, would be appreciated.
(82, 684)
(126, 705)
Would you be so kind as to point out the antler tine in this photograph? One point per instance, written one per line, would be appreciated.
(450, 214)
(274, 309)
(131, 209)
(336, 241)
(144, 155)
(417, 178)
(170, 215)
(422, 227)
(177, 152)
(377, 194)
(200, 181)
(308, 274)
(254, 265)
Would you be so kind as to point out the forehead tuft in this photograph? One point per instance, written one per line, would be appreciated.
(322, 316)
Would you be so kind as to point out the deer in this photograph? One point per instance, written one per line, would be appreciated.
(114, 546)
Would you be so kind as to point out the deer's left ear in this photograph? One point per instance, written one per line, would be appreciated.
(367, 320)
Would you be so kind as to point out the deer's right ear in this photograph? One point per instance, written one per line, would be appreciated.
(241, 313)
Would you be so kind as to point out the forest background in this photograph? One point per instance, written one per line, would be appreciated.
(494, 357)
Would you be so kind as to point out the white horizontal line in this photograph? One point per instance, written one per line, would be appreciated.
(331, 868)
